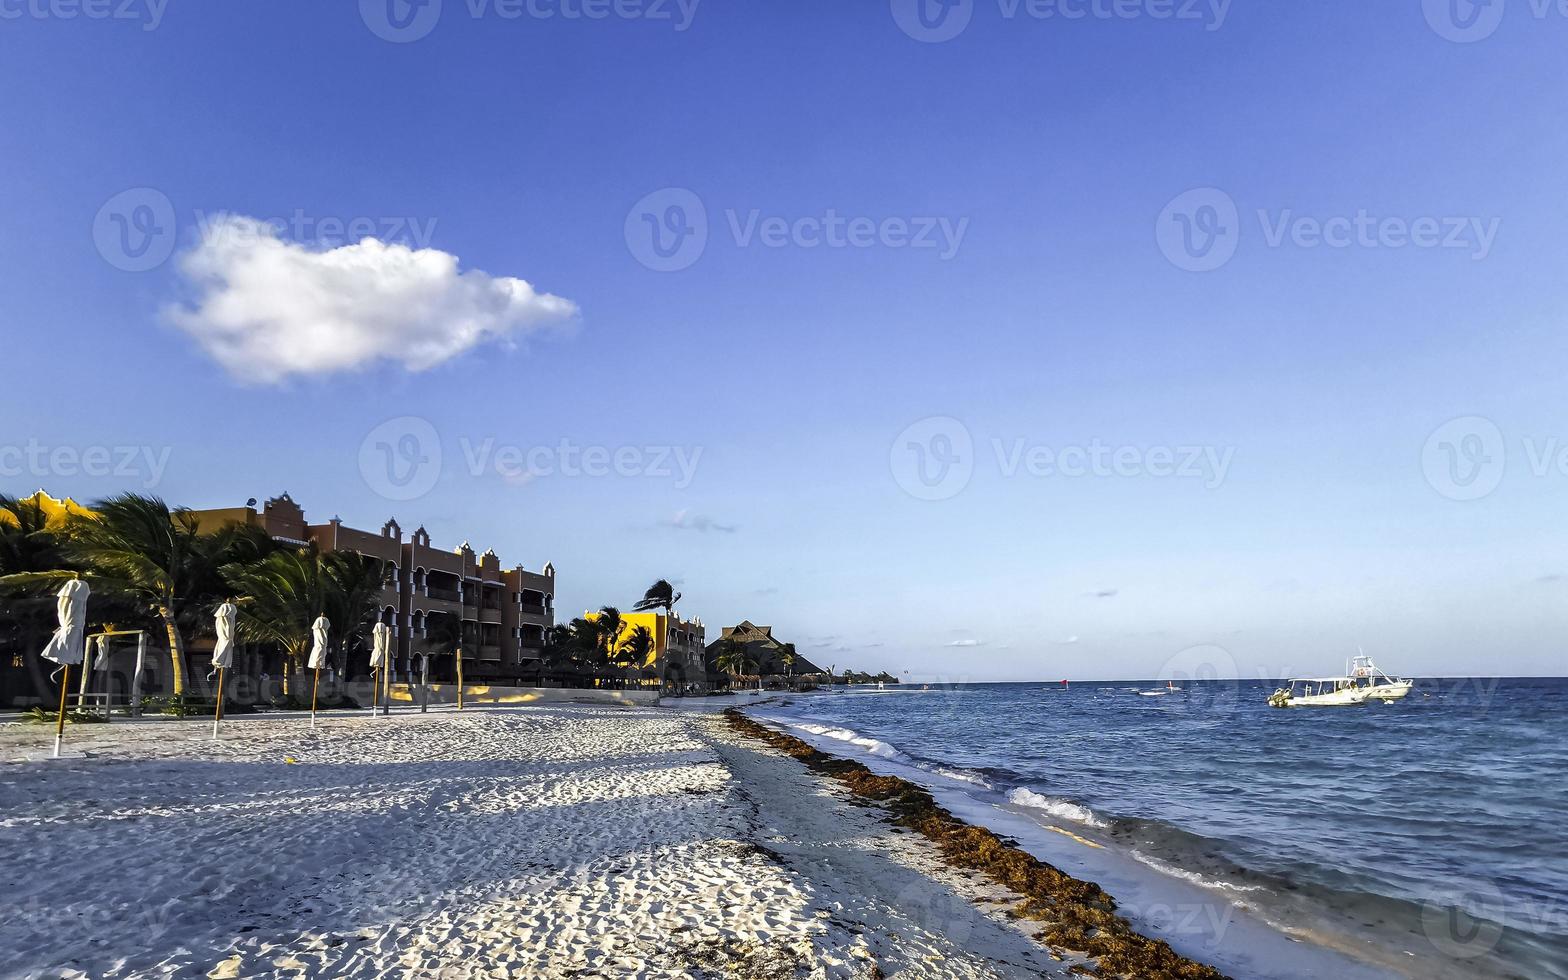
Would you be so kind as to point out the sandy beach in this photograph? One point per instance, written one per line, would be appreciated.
(570, 840)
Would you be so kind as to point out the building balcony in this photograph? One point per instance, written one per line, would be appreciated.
(449, 595)
(490, 652)
(487, 615)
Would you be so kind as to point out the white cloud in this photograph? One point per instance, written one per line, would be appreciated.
(685, 520)
(267, 309)
(967, 643)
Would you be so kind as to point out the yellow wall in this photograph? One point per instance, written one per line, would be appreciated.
(656, 623)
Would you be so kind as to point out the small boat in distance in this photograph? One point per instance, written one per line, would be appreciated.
(1319, 692)
(1375, 683)
(1363, 682)
(1159, 692)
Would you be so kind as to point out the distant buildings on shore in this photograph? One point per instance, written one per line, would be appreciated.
(504, 613)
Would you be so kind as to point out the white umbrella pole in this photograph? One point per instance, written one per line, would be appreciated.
(375, 688)
(313, 686)
(59, 725)
(217, 716)
(386, 694)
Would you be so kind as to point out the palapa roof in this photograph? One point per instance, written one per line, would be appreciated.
(764, 646)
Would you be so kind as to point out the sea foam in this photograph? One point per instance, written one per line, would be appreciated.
(1060, 809)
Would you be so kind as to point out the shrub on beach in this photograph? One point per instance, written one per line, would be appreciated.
(324, 702)
(41, 715)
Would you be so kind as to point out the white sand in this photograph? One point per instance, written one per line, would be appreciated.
(553, 841)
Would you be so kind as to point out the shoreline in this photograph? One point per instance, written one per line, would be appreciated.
(1197, 921)
(1074, 916)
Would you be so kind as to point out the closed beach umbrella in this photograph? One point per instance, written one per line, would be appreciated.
(223, 654)
(380, 644)
(69, 644)
(380, 662)
(223, 651)
(318, 646)
(318, 657)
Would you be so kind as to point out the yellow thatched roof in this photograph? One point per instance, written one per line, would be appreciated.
(58, 510)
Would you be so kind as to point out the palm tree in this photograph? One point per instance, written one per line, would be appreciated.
(607, 627)
(560, 648)
(735, 658)
(660, 595)
(138, 548)
(282, 594)
(585, 645)
(354, 582)
(30, 543)
(279, 598)
(788, 658)
(444, 634)
(638, 647)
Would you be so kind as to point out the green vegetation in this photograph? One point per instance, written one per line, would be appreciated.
(153, 567)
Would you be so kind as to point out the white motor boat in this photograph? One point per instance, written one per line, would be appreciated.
(1319, 692)
(1378, 685)
(1160, 692)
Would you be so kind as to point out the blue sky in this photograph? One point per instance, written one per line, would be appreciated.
(1020, 191)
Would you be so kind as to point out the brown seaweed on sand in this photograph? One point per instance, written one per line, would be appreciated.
(1077, 916)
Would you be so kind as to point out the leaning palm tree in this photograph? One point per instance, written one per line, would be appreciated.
(156, 558)
(637, 648)
(787, 657)
(660, 595)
